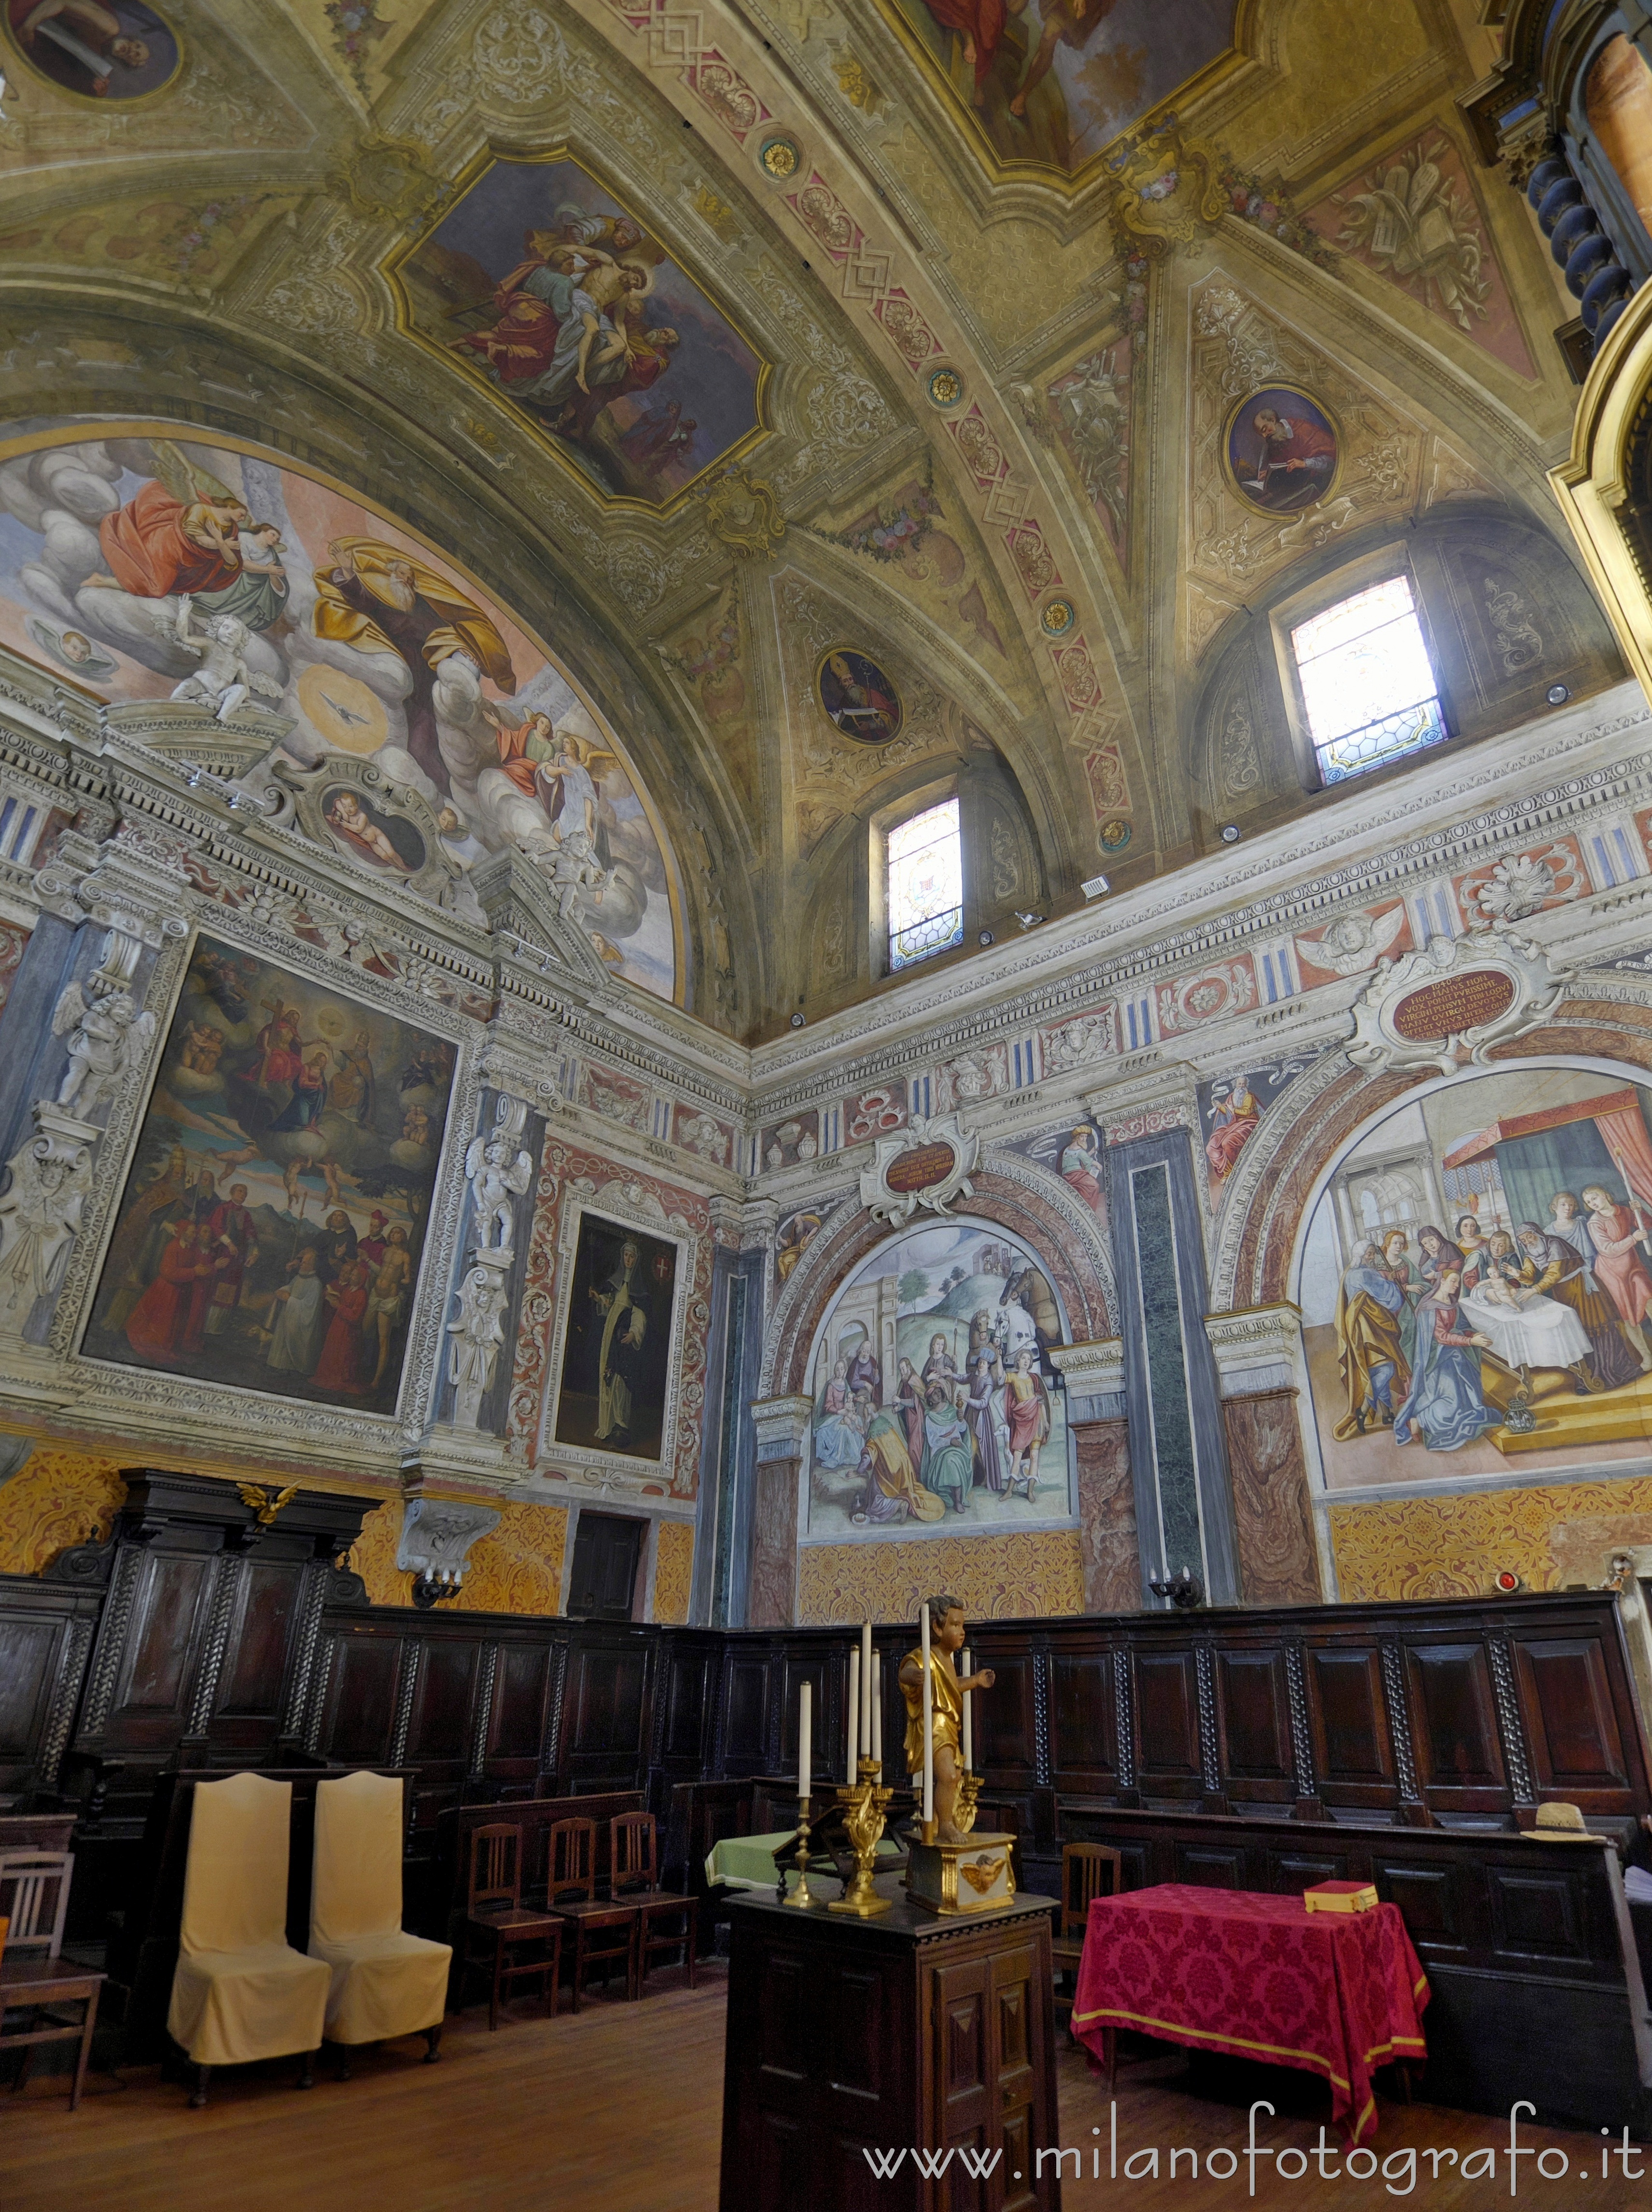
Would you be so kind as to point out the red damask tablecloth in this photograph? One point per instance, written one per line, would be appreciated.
(1336, 1994)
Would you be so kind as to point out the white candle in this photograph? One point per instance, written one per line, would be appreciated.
(865, 1688)
(806, 1739)
(966, 1668)
(855, 1708)
(878, 1710)
(929, 1718)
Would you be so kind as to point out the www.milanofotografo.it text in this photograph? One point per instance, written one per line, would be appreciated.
(1399, 2172)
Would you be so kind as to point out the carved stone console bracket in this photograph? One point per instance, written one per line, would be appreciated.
(437, 1533)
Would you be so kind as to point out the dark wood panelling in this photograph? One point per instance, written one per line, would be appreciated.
(1353, 1754)
(261, 1628)
(359, 1717)
(1459, 1759)
(1167, 1721)
(1255, 1707)
(46, 1640)
(1083, 1719)
(1573, 1723)
(1005, 1719)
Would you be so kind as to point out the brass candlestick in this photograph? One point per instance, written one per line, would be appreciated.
(802, 1895)
(865, 1805)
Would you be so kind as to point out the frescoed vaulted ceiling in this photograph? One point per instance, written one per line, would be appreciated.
(706, 342)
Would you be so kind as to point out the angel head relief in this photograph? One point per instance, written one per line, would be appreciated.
(146, 567)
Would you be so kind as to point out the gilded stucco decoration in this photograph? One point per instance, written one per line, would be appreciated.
(673, 1570)
(997, 1577)
(1454, 1546)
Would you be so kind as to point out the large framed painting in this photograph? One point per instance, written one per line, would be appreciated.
(619, 1354)
(540, 284)
(937, 1408)
(1476, 1281)
(273, 1220)
(121, 543)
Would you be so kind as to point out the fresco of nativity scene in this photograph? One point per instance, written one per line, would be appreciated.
(1055, 81)
(1476, 1282)
(273, 1219)
(936, 1403)
(549, 290)
(149, 568)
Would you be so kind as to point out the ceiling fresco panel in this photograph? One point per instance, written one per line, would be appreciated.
(542, 288)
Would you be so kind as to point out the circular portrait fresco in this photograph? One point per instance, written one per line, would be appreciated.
(102, 49)
(1281, 449)
(858, 697)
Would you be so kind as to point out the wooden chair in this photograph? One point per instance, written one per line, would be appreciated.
(633, 1873)
(497, 1924)
(1088, 1870)
(571, 1891)
(34, 1896)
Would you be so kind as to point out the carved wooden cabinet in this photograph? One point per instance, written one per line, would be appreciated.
(908, 2033)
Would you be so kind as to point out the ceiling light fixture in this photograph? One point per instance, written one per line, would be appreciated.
(986, 936)
(1095, 887)
(797, 1021)
(1028, 921)
(1556, 695)
(1229, 833)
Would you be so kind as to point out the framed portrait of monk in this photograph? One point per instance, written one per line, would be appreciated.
(619, 1350)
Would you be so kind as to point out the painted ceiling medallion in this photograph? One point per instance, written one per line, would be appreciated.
(1058, 617)
(927, 1164)
(1044, 91)
(743, 512)
(540, 285)
(781, 157)
(945, 387)
(1281, 449)
(857, 697)
(113, 50)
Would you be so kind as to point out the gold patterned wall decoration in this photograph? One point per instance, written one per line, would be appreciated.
(518, 1566)
(60, 1497)
(997, 1577)
(1433, 1547)
(673, 1571)
(373, 1556)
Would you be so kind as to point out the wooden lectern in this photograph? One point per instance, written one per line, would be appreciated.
(912, 2031)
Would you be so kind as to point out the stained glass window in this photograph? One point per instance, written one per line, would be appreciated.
(926, 885)
(1367, 685)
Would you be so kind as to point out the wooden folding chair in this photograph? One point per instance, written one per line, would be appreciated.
(633, 1874)
(571, 1890)
(497, 1924)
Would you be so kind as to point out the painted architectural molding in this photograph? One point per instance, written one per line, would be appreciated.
(1256, 1348)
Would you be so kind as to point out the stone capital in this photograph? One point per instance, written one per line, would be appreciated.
(1094, 1374)
(1146, 1102)
(781, 1425)
(1257, 1349)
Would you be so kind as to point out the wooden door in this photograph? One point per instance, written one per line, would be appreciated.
(607, 1547)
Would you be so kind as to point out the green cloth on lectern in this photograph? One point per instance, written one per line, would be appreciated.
(748, 1862)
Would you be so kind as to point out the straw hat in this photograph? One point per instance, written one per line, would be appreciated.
(1559, 1822)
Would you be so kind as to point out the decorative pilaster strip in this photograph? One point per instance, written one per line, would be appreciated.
(412, 1653)
(1122, 1721)
(312, 1593)
(1515, 1756)
(229, 1568)
(112, 1641)
(64, 1698)
(1393, 1694)
(1209, 1753)
(554, 1725)
(661, 1658)
(484, 1709)
(1042, 1770)
(1301, 1738)
(319, 1701)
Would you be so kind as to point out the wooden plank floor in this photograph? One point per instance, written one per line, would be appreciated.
(620, 2111)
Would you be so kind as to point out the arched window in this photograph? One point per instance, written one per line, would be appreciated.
(1368, 688)
(924, 883)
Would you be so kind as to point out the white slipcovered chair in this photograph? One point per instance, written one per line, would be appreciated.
(240, 1992)
(384, 1982)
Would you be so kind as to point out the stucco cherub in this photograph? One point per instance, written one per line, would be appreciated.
(498, 1181)
(40, 1219)
(223, 679)
(107, 1038)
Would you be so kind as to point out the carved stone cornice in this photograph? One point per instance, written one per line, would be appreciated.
(1257, 1349)
(744, 1225)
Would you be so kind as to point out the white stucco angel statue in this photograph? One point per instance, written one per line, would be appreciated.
(498, 1181)
(107, 1038)
(223, 679)
(40, 1219)
(477, 1335)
